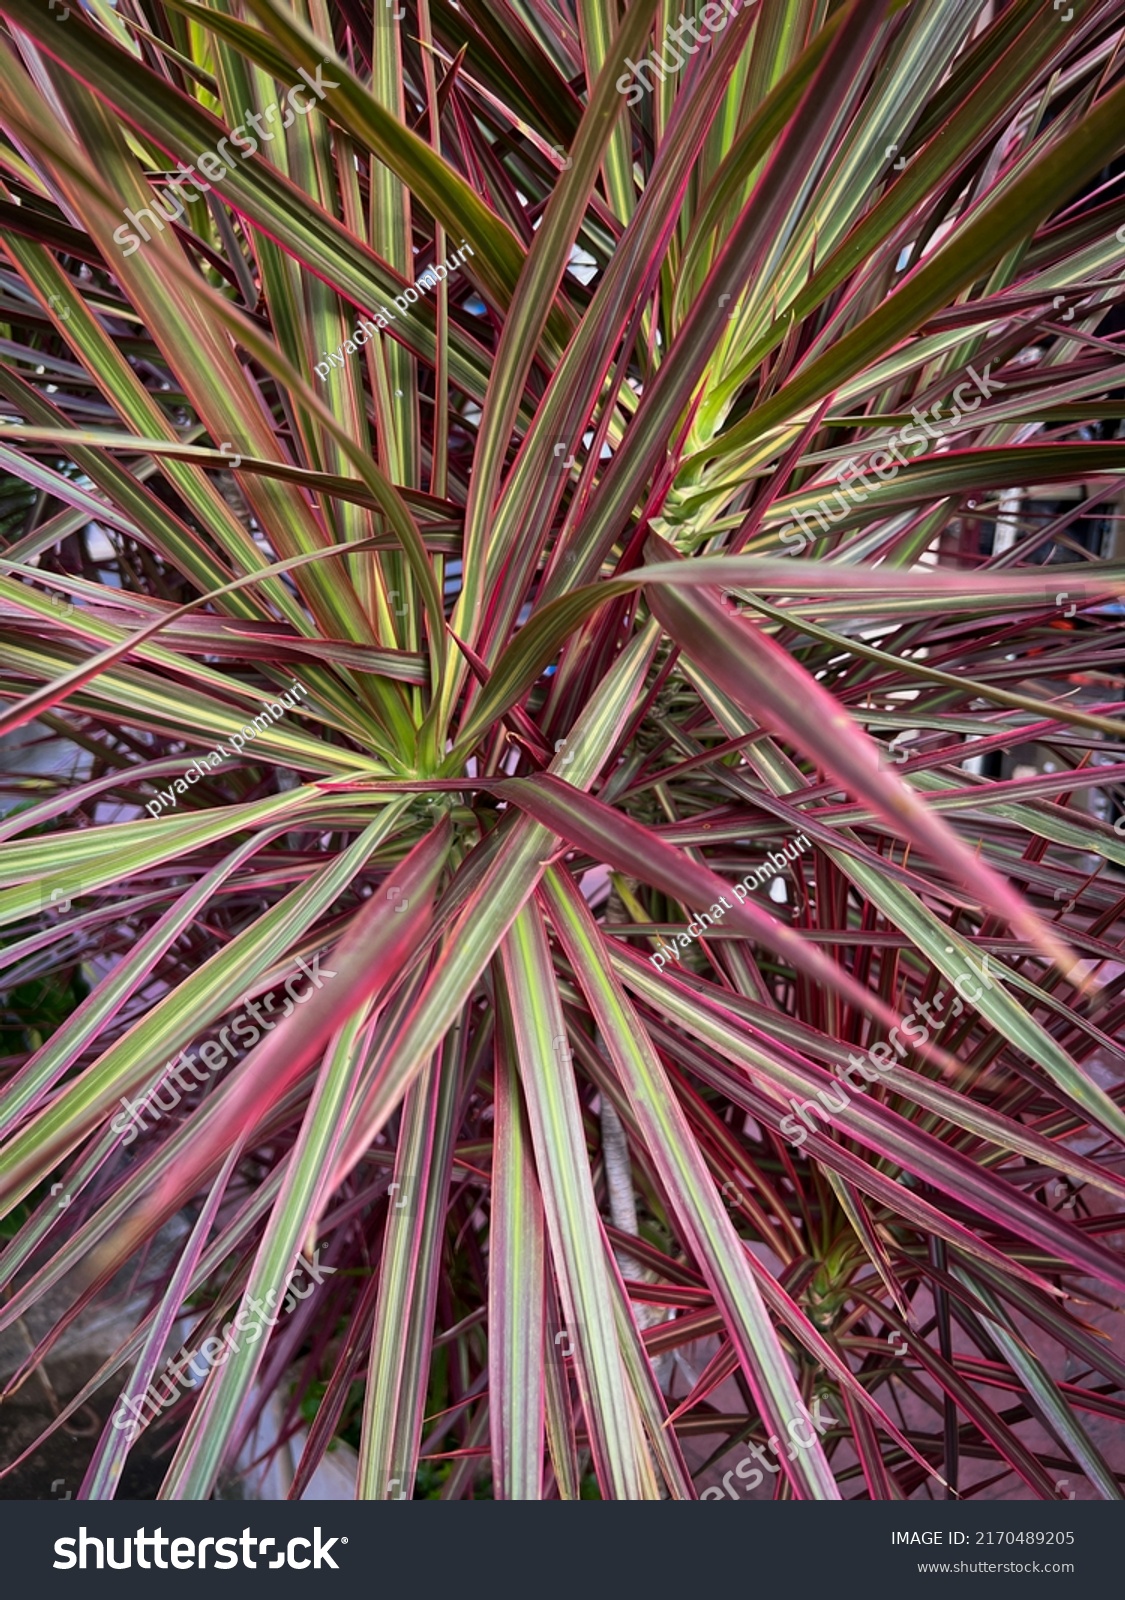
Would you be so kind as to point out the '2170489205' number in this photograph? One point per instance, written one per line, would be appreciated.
(1022, 1536)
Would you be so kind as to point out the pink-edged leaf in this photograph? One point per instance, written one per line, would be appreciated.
(705, 1220)
(631, 848)
(886, 1132)
(517, 1261)
(763, 679)
(108, 1461)
(380, 942)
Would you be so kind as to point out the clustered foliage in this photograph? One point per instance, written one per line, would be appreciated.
(566, 683)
